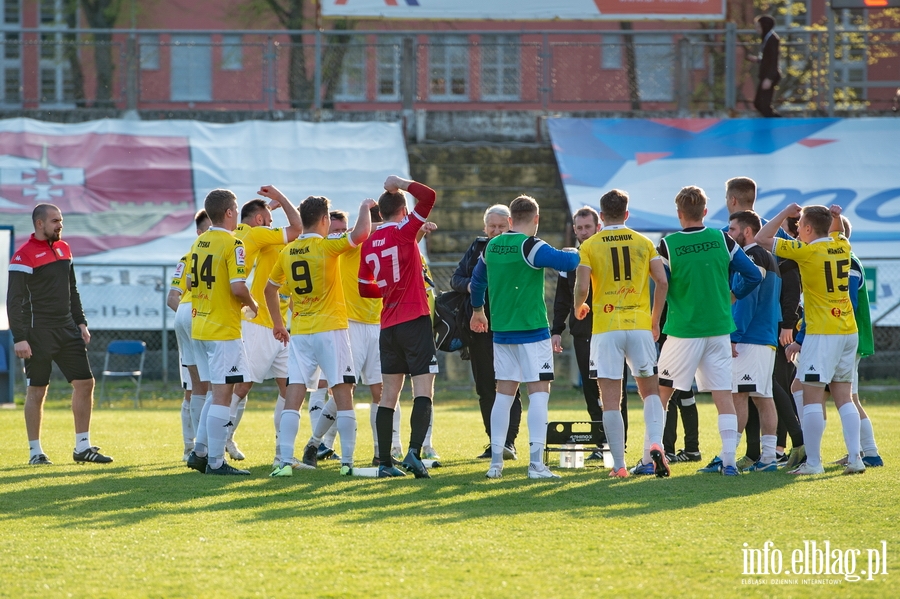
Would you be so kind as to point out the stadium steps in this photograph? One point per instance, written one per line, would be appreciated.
(470, 177)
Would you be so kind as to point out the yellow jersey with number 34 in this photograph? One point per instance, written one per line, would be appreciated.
(216, 261)
(619, 259)
(311, 266)
(825, 275)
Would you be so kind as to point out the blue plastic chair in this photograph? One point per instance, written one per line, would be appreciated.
(122, 352)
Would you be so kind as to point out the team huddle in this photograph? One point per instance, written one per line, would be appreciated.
(324, 308)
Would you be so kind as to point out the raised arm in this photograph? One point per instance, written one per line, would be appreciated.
(768, 232)
(295, 225)
(363, 225)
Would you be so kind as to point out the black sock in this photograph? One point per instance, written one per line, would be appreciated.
(419, 421)
(384, 426)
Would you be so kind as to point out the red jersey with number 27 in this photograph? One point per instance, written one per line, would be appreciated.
(390, 264)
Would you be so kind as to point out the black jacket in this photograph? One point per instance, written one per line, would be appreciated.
(564, 307)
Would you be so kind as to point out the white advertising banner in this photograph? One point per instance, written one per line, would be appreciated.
(523, 10)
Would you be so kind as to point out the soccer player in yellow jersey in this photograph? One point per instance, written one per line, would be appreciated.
(266, 357)
(619, 264)
(179, 300)
(319, 339)
(829, 351)
(218, 291)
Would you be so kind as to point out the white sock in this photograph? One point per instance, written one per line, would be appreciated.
(798, 403)
(34, 448)
(654, 423)
(395, 428)
(202, 441)
(867, 438)
(329, 437)
(279, 407)
(813, 430)
(82, 441)
(317, 399)
(728, 433)
(218, 423)
(499, 426)
(614, 427)
(236, 412)
(346, 424)
(287, 433)
(427, 442)
(538, 416)
(850, 424)
(327, 418)
(197, 403)
(187, 428)
(373, 411)
(767, 443)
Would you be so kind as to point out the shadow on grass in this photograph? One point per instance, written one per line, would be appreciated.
(125, 496)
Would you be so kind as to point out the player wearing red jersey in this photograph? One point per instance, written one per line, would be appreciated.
(391, 268)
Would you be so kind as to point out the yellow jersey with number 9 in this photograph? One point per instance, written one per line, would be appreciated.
(216, 261)
(825, 275)
(619, 259)
(311, 267)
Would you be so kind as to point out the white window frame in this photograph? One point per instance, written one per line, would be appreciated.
(506, 51)
(11, 61)
(448, 55)
(388, 51)
(57, 65)
(232, 52)
(611, 45)
(148, 51)
(351, 86)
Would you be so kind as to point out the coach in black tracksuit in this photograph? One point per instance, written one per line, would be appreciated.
(769, 70)
(481, 345)
(48, 325)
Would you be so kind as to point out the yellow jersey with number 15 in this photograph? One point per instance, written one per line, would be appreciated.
(217, 260)
(619, 259)
(311, 267)
(825, 274)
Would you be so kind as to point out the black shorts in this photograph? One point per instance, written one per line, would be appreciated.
(408, 348)
(63, 346)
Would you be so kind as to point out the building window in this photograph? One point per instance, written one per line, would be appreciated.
(352, 81)
(148, 48)
(655, 65)
(500, 67)
(448, 68)
(850, 55)
(191, 69)
(387, 69)
(11, 58)
(232, 53)
(11, 12)
(57, 53)
(611, 52)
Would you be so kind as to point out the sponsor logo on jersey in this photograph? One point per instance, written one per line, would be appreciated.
(239, 255)
(502, 249)
(607, 308)
(836, 312)
(697, 248)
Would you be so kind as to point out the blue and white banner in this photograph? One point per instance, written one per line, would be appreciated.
(849, 162)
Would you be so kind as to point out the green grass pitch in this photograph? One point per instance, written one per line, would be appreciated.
(146, 526)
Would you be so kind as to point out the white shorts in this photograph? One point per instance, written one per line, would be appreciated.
(227, 361)
(854, 386)
(524, 362)
(328, 351)
(267, 357)
(709, 358)
(827, 358)
(185, 377)
(608, 350)
(751, 370)
(183, 335)
(364, 342)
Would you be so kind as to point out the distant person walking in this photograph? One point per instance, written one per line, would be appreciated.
(48, 325)
(769, 71)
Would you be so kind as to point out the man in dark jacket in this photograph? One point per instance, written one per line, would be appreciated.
(481, 345)
(769, 71)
